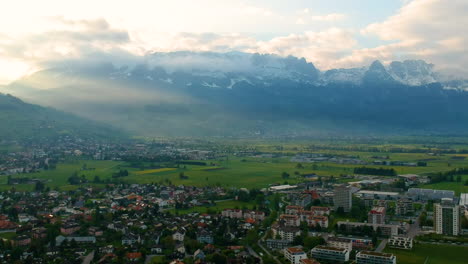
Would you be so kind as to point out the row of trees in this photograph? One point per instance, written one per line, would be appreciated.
(453, 175)
(375, 171)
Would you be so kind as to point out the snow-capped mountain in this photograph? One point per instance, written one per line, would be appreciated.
(242, 93)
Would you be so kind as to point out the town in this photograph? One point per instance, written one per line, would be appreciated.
(360, 219)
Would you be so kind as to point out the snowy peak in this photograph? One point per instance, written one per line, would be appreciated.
(377, 74)
(413, 72)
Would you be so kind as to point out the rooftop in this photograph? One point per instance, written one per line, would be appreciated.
(378, 254)
(330, 248)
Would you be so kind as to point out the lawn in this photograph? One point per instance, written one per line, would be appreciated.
(458, 187)
(435, 254)
(218, 207)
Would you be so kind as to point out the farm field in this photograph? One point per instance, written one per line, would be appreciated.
(431, 254)
(59, 176)
(249, 172)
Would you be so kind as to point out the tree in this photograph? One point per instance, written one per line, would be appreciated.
(459, 178)
(299, 166)
(97, 179)
(285, 175)
(39, 187)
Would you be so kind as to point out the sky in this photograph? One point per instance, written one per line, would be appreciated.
(329, 33)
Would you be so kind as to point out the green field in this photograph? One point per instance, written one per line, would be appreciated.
(458, 187)
(59, 176)
(249, 172)
(434, 254)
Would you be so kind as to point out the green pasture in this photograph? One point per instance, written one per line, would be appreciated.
(431, 254)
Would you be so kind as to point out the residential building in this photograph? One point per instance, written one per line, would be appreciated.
(78, 239)
(372, 257)
(386, 230)
(403, 207)
(309, 261)
(232, 213)
(376, 215)
(342, 198)
(338, 242)
(331, 254)
(294, 255)
(277, 243)
(179, 235)
(317, 220)
(290, 220)
(447, 217)
(320, 210)
(205, 237)
(293, 209)
(400, 242)
(286, 232)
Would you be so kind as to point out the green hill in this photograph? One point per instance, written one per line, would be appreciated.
(22, 121)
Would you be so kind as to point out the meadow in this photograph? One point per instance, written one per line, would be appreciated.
(247, 171)
(431, 254)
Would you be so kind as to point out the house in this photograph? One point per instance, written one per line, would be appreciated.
(133, 256)
(180, 248)
(199, 254)
(205, 236)
(156, 249)
(294, 254)
(179, 235)
(22, 240)
(131, 239)
(69, 228)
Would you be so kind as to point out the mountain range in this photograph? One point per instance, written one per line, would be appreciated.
(243, 94)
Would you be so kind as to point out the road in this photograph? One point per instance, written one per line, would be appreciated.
(88, 258)
(259, 242)
(149, 258)
(253, 253)
(381, 246)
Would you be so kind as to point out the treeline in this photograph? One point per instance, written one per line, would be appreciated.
(387, 149)
(120, 173)
(198, 163)
(375, 171)
(451, 176)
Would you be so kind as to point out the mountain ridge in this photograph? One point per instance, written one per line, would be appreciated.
(250, 94)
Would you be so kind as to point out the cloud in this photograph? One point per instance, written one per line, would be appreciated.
(322, 48)
(434, 30)
(306, 17)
